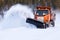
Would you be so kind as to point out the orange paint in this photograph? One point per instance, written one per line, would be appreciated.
(47, 18)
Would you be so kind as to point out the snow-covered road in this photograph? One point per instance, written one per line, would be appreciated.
(27, 33)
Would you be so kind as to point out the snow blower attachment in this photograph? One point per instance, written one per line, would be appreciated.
(42, 17)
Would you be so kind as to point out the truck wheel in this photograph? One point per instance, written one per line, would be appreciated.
(46, 25)
(53, 23)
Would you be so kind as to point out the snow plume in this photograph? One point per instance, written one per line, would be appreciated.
(16, 16)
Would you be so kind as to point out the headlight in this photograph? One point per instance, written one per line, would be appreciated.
(44, 13)
(37, 13)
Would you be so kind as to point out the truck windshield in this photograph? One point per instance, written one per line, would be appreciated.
(42, 12)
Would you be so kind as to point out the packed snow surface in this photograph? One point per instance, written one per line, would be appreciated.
(14, 27)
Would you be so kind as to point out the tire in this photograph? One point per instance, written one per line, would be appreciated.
(53, 23)
(46, 25)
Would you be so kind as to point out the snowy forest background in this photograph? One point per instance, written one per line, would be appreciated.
(6, 4)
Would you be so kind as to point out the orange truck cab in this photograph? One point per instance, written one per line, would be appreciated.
(43, 14)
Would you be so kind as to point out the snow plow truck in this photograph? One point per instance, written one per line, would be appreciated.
(43, 17)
